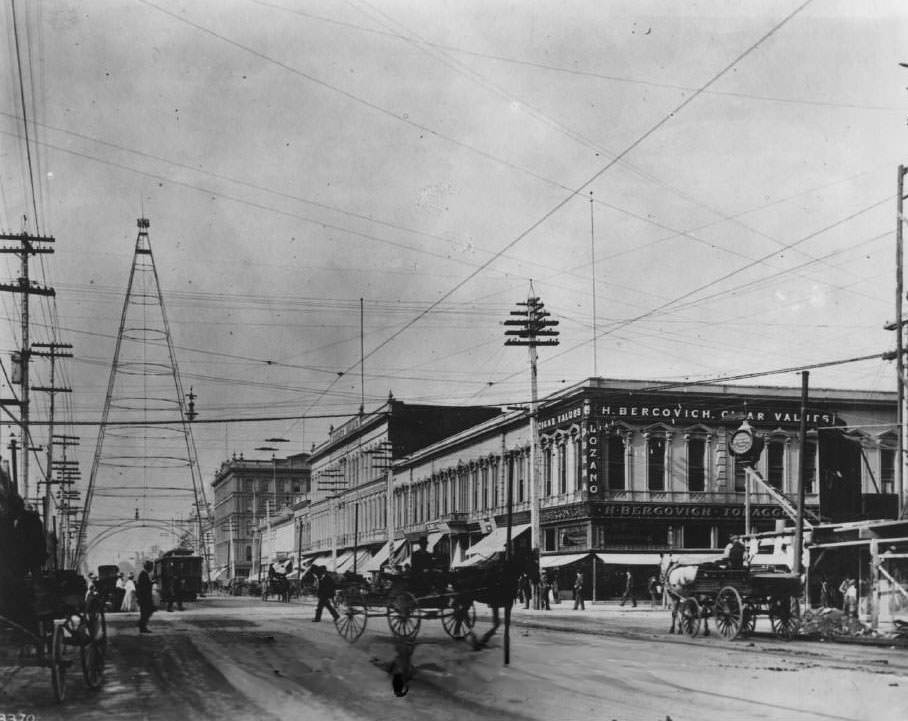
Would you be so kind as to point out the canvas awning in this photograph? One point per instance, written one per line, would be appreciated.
(691, 559)
(631, 559)
(382, 555)
(342, 558)
(493, 543)
(221, 574)
(362, 556)
(560, 559)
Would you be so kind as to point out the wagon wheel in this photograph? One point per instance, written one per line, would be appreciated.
(749, 619)
(689, 620)
(94, 648)
(58, 661)
(729, 612)
(352, 617)
(403, 618)
(785, 617)
(460, 619)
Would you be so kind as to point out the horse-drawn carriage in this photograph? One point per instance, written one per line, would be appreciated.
(406, 600)
(45, 617)
(734, 598)
(278, 584)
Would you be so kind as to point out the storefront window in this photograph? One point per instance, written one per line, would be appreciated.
(697, 536)
(549, 539)
(655, 464)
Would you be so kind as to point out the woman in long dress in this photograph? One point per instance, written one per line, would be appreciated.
(130, 602)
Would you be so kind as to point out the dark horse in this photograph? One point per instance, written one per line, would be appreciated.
(492, 582)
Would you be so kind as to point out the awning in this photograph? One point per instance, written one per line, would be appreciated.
(221, 574)
(342, 558)
(362, 557)
(493, 543)
(382, 555)
(631, 559)
(691, 559)
(561, 559)
(432, 539)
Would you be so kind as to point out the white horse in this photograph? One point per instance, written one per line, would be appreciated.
(679, 580)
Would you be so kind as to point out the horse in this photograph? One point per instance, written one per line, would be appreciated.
(493, 582)
(677, 580)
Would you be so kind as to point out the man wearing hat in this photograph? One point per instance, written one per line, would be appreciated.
(325, 593)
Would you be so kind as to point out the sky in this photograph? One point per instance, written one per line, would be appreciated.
(695, 190)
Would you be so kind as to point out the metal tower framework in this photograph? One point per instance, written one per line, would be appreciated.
(142, 454)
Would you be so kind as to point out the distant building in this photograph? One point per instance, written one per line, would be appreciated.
(246, 492)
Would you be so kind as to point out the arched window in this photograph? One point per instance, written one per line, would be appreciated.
(696, 464)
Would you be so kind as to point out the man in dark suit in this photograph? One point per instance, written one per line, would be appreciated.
(143, 596)
(325, 593)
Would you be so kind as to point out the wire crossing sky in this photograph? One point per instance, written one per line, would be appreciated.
(433, 159)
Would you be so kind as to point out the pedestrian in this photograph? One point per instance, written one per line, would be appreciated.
(850, 597)
(556, 594)
(545, 587)
(129, 594)
(144, 598)
(653, 587)
(628, 588)
(523, 588)
(825, 594)
(325, 593)
(578, 592)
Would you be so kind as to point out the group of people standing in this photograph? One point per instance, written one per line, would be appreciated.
(136, 594)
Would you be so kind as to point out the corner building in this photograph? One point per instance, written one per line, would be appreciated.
(629, 471)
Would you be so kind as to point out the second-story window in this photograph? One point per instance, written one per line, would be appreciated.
(615, 463)
(775, 463)
(547, 470)
(887, 470)
(562, 468)
(696, 464)
(484, 488)
(810, 466)
(655, 463)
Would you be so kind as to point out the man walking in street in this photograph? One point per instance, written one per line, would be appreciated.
(325, 593)
(578, 592)
(144, 597)
(628, 588)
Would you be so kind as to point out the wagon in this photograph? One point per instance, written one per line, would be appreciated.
(736, 597)
(405, 600)
(46, 618)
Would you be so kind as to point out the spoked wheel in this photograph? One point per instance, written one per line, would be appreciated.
(352, 618)
(785, 617)
(93, 648)
(749, 620)
(459, 619)
(689, 617)
(403, 616)
(58, 661)
(729, 612)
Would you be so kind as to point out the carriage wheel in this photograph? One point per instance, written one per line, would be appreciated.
(58, 661)
(403, 618)
(729, 612)
(459, 619)
(94, 650)
(749, 619)
(689, 620)
(352, 618)
(785, 617)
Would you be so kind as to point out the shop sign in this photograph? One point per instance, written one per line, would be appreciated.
(654, 412)
(683, 510)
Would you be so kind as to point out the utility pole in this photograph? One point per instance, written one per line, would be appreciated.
(802, 476)
(900, 466)
(27, 245)
(53, 351)
(533, 328)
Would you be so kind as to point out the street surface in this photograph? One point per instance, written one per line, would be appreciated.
(227, 658)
